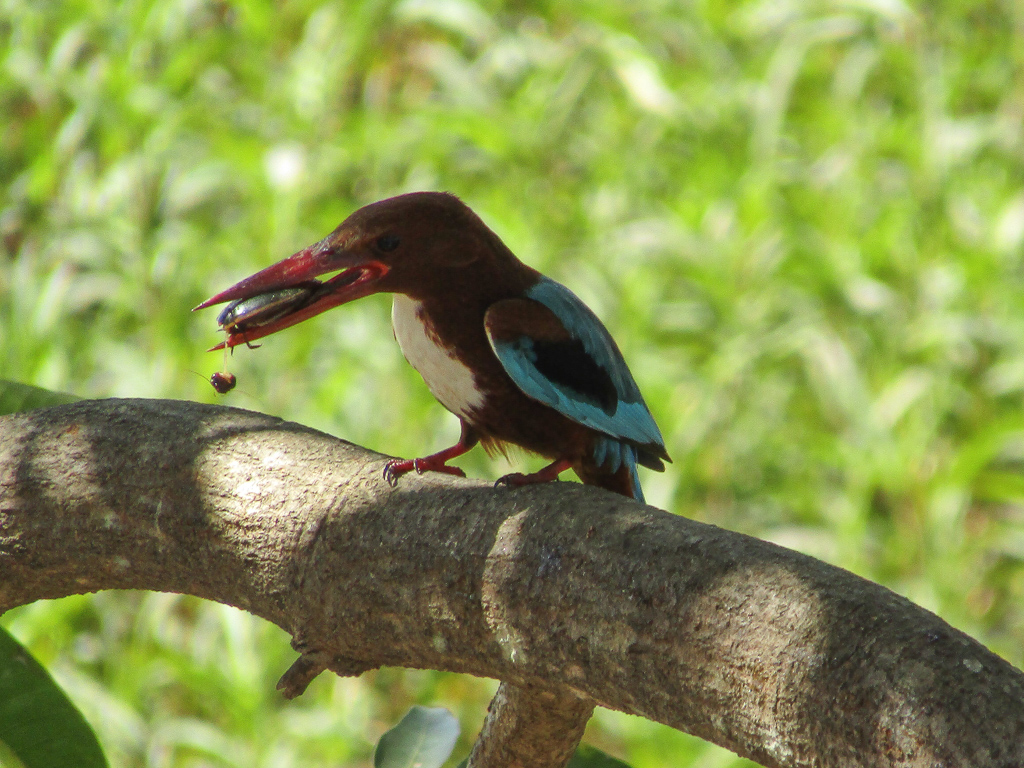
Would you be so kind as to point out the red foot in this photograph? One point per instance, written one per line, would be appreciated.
(437, 462)
(546, 475)
(395, 468)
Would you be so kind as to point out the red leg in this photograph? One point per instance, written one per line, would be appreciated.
(435, 462)
(546, 475)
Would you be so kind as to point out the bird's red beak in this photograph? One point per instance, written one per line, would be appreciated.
(297, 295)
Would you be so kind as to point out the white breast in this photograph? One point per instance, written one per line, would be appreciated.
(448, 379)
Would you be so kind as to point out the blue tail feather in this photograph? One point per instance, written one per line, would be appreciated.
(638, 492)
(611, 454)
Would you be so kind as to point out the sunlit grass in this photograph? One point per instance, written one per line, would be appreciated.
(803, 221)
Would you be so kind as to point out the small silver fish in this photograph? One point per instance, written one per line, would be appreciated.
(244, 314)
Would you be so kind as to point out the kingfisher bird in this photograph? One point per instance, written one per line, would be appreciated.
(518, 357)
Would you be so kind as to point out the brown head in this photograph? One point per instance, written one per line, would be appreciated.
(411, 244)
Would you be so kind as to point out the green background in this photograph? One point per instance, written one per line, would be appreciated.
(802, 221)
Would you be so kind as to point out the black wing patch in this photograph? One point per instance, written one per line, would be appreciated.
(568, 364)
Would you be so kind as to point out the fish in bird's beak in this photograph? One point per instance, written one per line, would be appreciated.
(288, 292)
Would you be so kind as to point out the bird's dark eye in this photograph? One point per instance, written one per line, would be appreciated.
(387, 242)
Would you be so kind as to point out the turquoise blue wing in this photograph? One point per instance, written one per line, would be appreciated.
(558, 352)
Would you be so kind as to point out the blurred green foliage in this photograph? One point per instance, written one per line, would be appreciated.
(16, 397)
(802, 220)
(424, 738)
(33, 708)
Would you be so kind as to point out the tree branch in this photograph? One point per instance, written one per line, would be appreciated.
(569, 595)
(529, 727)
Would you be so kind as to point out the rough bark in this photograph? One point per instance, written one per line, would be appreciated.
(571, 596)
(527, 726)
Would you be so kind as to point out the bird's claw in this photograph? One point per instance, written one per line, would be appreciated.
(395, 468)
(548, 474)
(513, 480)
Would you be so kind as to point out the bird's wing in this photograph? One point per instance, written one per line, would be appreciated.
(557, 351)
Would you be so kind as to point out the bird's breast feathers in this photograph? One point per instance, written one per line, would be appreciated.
(447, 377)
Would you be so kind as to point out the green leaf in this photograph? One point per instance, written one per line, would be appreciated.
(15, 397)
(592, 757)
(424, 738)
(37, 720)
